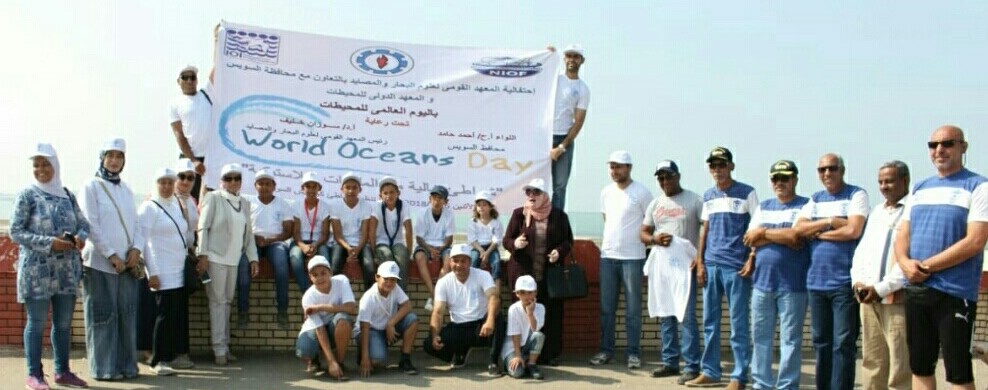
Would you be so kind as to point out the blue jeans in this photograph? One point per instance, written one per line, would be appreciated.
(397, 253)
(366, 258)
(379, 339)
(532, 347)
(560, 172)
(62, 306)
(494, 260)
(110, 302)
(790, 309)
(835, 320)
(614, 274)
(690, 350)
(720, 282)
(307, 343)
(297, 261)
(277, 254)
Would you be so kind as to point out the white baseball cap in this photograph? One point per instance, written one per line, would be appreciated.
(575, 48)
(263, 174)
(535, 184)
(317, 261)
(620, 157)
(484, 195)
(165, 173)
(388, 269)
(349, 176)
(117, 144)
(459, 250)
(231, 168)
(189, 68)
(185, 165)
(526, 283)
(310, 176)
(387, 180)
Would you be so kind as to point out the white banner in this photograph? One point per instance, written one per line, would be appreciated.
(469, 119)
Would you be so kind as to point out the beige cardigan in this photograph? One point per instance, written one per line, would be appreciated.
(215, 232)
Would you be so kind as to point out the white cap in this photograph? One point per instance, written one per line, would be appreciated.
(620, 157)
(388, 269)
(526, 283)
(117, 144)
(574, 48)
(535, 184)
(310, 176)
(185, 165)
(318, 260)
(189, 68)
(484, 195)
(43, 149)
(231, 168)
(263, 174)
(459, 250)
(349, 176)
(164, 173)
(387, 180)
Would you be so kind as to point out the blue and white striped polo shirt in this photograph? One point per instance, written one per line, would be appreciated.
(728, 213)
(830, 261)
(938, 215)
(779, 268)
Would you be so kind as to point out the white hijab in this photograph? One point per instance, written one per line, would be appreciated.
(53, 186)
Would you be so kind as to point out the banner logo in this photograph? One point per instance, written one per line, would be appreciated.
(507, 67)
(382, 61)
(251, 46)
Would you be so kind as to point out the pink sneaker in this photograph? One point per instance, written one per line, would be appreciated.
(70, 380)
(36, 382)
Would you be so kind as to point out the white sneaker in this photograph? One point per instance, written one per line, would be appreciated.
(163, 369)
(182, 362)
(428, 305)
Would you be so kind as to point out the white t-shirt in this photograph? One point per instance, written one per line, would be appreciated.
(350, 218)
(485, 234)
(390, 218)
(377, 309)
(310, 221)
(339, 294)
(518, 324)
(434, 233)
(570, 96)
(624, 211)
(195, 113)
(267, 219)
(466, 301)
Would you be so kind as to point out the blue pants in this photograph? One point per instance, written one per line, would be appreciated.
(397, 253)
(835, 321)
(790, 309)
(307, 343)
(62, 307)
(560, 172)
(379, 339)
(613, 275)
(110, 302)
(277, 254)
(723, 281)
(366, 258)
(532, 347)
(494, 260)
(691, 348)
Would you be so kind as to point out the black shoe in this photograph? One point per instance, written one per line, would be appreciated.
(406, 366)
(686, 377)
(664, 371)
(494, 371)
(458, 361)
(536, 372)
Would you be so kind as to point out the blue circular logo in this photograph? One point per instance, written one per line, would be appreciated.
(382, 61)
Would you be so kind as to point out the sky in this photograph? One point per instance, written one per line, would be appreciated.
(669, 80)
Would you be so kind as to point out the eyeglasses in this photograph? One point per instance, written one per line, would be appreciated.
(717, 165)
(947, 144)
(831, 168)
(533, 191)
(781, 179)
(231, 178)
(664, 177)
(188, 78)
(187, 176)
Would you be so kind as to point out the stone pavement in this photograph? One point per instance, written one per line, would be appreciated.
(279, 370)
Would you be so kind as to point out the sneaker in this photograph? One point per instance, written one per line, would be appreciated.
(182, 362)
(735, 385)
(231, 357)
(600, 358)
(536, 372)
(686, 377)
(634, 362)
(242, 321)
(428, 304)
(283, 321)
(36, 382)
(703, 381)
(494, 371)
(405, 365)
(458, 361)
(664, 371)
(69, 379)
(312, 366)
(221, 360)
(163, 369)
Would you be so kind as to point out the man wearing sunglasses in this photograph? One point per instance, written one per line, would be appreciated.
(190, 114)
(939, 248)
(833, 221)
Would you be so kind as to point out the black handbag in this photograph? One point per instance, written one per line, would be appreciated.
(568, 281)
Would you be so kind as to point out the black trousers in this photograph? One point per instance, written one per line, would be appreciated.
(147, 313)
(171, 327)
(553, 327)
(459, 338)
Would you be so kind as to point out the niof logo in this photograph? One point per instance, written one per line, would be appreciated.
(252, 46)
(507, 67)
(382, 61)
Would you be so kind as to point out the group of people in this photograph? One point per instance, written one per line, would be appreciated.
(904, 274)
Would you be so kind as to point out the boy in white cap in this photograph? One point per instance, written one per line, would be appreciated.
(350, 221)
(311, 236)
(434, 231)
(329, 316)
(524, 338)
(385, 316)
(273, 223)
(389, 225)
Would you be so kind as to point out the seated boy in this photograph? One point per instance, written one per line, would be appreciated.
(524, 340)
(329, 310)
(386, 316)
(434, 230)
(349, 218)
(391, 223)
(311, 235)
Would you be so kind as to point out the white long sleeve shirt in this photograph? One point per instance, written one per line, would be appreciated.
(867, 262)
(164, 251)
(107, 236)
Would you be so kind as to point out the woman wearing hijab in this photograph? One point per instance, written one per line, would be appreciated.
(112, 259)
(539, 236)
(50, 229)
(224, 236)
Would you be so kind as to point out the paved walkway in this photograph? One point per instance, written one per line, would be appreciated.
(279, 370)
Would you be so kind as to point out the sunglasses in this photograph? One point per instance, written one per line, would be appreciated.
(717, 165)
(533, 191)
(781, 179)
(231, 178)
(831, 168)
(187, 176)
(188, 78)
(946, 144)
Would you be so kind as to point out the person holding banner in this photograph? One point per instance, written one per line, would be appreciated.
(311, 230)
(350, 221)
(388, 225)
(190, 114)
(572, 99)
